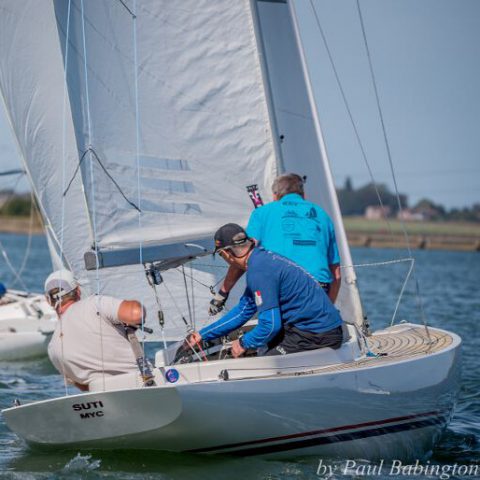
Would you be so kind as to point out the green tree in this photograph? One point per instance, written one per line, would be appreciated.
(355, 202)
(18, 206)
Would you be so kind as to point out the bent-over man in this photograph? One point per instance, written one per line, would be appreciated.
(90, 339)
(296, 229)
(294, 312)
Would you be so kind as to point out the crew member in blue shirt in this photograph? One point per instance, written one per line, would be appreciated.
(294, 312)
(296, 229)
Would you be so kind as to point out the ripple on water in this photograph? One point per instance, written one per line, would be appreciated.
(449, 283)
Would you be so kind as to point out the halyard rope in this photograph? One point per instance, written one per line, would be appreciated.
(16, 276)
(387, 145)
(392, 169)
(137, 156)
(92, 182)
(64, 148)
(350, 115)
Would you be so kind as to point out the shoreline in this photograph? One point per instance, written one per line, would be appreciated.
(416, 242)
(21, 225)
(360, 233)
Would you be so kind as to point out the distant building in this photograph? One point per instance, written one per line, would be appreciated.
(375, 212)
(410, 215)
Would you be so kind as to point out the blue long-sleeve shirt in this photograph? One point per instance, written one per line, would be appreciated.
(283, 294)
(269, 324)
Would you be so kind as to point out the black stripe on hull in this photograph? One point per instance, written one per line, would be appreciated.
(344, 437)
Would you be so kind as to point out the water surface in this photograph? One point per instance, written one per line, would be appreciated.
(449, 283)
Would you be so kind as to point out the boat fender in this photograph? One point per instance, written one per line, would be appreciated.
(223, 375)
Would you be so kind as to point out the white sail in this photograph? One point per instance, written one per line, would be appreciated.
(31, 84)
(302, 145)
(170, 116)
(172, 110)
(172, 120)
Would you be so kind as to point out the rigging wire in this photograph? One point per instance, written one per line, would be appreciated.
(342, 91)
(210, 287)
(137, 159)
(179, 311)
(190, 316)
(3, 251)
(160, 311)
(107, 173)
(30, 236)
(92, 189)
(410, 260)
(7, 173)
(192, 287)
(64, 142)
(390, 161)
(133, 14)
(382, 123)
(350, 115)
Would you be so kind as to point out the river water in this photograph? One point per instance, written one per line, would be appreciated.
(449, 283)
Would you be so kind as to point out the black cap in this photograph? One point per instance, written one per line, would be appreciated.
(230, 235)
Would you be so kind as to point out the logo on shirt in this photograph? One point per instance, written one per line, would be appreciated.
(258, 298)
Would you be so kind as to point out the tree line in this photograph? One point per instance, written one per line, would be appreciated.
(352, 202)
(355, 202)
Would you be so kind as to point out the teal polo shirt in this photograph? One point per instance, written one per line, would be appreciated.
(300, 231)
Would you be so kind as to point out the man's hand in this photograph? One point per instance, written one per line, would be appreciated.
(237, 349)
(192, 340)
(217, 303)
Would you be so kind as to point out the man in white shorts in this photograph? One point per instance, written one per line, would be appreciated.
(90, 340)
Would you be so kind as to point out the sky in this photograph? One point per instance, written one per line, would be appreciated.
(426, 61)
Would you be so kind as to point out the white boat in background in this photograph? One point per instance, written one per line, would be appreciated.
(27, 323)
(170, 110)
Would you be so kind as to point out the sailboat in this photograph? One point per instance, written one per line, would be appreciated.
(142, 124)
(27, 321)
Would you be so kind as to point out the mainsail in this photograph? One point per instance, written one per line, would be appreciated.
(141, 125)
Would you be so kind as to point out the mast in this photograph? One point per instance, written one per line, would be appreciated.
(294, 115)
(321, 142)
(348, 272)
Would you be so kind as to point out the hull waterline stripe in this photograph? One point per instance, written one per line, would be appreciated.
(316, 433)
(344, 437)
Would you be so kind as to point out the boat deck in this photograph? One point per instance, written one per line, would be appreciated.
(394, 344)
(400, 342)
(409, 340)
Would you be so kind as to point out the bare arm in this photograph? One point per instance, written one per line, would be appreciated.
(231, 278)
(130, 312)
(337, 280)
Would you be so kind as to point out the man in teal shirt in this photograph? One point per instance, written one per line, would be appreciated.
(296, 229)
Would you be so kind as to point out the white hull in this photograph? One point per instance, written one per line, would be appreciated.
(389, 409)
(26, 326)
